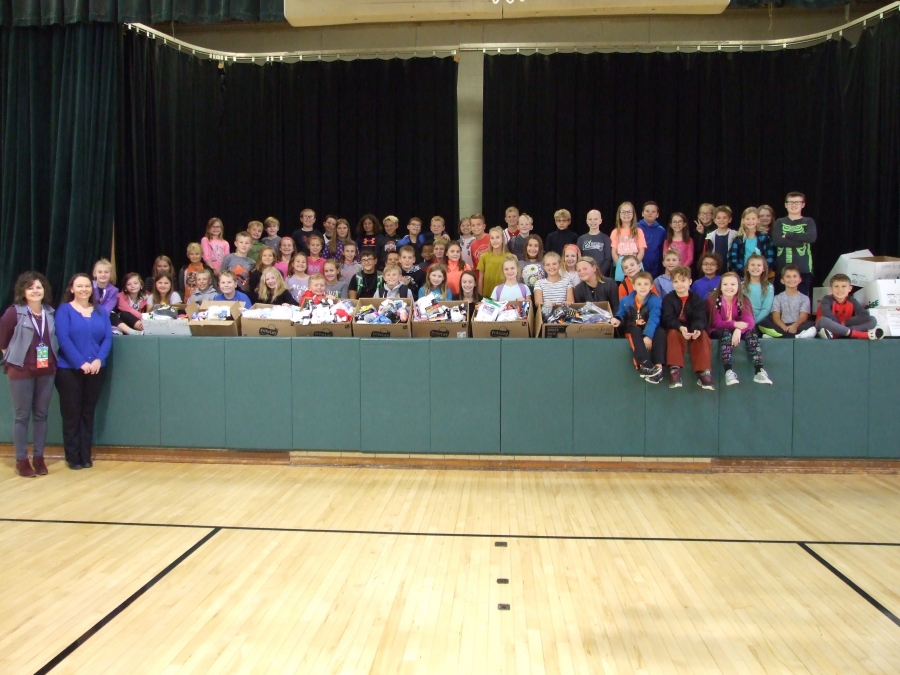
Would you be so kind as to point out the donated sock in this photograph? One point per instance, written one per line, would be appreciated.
(859, 334)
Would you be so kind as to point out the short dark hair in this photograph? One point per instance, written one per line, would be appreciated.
(368, 253)
(796, 194)
(24, 282)
(839, 277)
(642, 275)
(789, 268)
(651, 203)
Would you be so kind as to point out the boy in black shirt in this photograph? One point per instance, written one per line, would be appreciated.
(368, 282)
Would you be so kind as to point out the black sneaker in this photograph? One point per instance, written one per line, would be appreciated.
(826, 334)
(655, 379)
(674, 378)
(650, 371)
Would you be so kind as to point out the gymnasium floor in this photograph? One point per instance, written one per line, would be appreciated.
(186, 568)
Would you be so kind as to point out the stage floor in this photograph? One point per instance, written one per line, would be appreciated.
(186, 568)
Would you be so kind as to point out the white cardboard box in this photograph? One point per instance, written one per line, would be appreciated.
(865, 270)
(176, 327)
(842, 265)
(882, 293)
(888, 319)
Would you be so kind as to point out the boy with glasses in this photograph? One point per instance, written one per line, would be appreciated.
(557, 241)
(793, 237)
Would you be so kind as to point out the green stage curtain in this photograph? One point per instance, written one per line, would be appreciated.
(57, 152)
(60, 12)
(248, 141)
(589, 131)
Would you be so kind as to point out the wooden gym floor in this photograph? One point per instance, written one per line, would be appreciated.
(185, 568)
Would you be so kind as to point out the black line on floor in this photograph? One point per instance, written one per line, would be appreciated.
(89, 633)
(847, 580)
(473, 535)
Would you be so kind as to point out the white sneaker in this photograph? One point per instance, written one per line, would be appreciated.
(731, 378)
(766, 336)
(808, 333)
(762, 377)
(876, 334)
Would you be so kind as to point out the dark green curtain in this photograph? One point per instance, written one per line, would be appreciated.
(57, 154)
(59, 12)
(583, 131)
(249, 141)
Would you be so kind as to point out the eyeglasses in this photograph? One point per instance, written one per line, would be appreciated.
(794, 203)
(626, 213)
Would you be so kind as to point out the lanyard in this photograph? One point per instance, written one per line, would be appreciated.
(34, 323)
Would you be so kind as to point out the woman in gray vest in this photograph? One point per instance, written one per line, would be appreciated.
(29, 346)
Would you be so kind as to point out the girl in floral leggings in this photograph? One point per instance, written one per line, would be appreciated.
(731, 321)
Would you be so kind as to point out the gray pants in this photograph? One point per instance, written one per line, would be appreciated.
(853, 323)
(31, 399)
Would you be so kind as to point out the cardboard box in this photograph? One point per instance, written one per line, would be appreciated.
(522, 328)
(326, 329)
(842, 265)
(382, 330)
(267, 327)
(575, 330)
(171, 327)
(442, 329)
(863, 271)
(888, 319)
(882, 293)
(230, 328)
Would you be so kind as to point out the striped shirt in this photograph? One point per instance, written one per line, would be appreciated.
(554, 291)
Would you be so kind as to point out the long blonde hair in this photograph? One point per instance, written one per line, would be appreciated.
(634, 219)
(263, 291)
(742, 231)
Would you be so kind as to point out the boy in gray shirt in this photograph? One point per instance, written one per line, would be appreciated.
(595, 244)
(790, 310)
(238, 262)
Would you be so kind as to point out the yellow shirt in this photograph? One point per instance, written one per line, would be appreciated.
(491, 267)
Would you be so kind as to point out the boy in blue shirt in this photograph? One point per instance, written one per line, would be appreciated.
(655, 236)
(228, 289)
(639, 314)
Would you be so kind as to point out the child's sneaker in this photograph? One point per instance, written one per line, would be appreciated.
(769, 332)
(705, 381)
(731, 378)
(762, 377)
(808, 333)
(650, 371)
(674, 378)
(826, 334)
(655, 379)
(876, 334)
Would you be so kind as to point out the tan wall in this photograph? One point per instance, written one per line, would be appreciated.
(746, 24)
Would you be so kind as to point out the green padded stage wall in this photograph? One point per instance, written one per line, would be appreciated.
(517, 397)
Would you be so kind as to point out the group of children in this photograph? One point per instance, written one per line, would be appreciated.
(642, 269)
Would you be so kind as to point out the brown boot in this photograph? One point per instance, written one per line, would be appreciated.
(40, 466)
(23, 468)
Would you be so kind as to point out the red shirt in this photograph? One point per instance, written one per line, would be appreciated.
(477, 249)
(841, 310)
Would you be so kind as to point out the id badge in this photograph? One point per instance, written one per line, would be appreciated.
(43, 356)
